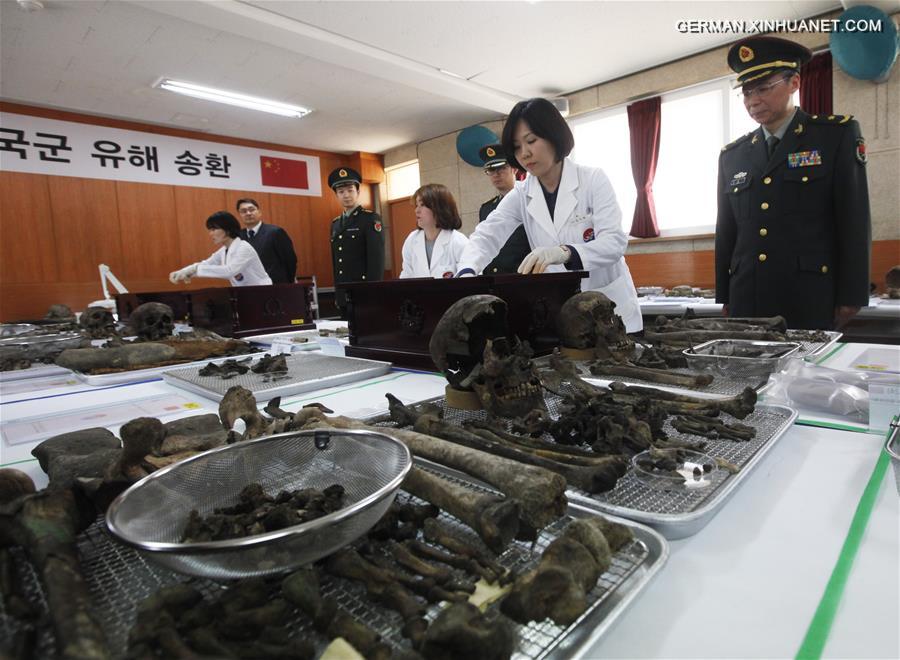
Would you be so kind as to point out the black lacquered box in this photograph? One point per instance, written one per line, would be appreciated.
(253, 310)
(394, 320)
(179, 301)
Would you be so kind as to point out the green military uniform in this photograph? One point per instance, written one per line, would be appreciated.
(793, 230)
(357, 242)
(517, 246)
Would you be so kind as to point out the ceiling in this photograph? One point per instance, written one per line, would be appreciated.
(371, 71)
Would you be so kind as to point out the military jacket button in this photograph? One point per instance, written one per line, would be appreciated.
(805, 179)
(767, 180)
(763, 231)
(763, 206)
(824, 269)
(762, 257)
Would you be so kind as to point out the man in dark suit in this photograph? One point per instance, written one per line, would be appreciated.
(357, 240)
(272, 243)
(793, 232)
(503, 178)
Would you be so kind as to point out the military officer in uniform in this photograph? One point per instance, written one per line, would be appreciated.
(357, 241)
(503, 178)
(793, 231)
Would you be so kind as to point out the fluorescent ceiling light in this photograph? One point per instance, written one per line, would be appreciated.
(232, 98)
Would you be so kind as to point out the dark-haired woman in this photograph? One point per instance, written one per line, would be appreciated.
(569, 211)
(433, 250)
(235, 260)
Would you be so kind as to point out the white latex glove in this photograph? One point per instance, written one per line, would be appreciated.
(183, 275)
(541, 257)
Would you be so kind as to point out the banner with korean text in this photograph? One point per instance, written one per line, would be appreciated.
(62, 148)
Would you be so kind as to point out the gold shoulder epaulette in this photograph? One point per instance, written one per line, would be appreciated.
(830, 119)
(731, 145)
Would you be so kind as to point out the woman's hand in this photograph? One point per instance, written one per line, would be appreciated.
(183, 275)
(541, 257)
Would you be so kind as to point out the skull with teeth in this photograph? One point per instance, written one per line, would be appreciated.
(457, 343)
(470, 345)
(98, 322)
(152, 321)
(506, 381)
(588, 320)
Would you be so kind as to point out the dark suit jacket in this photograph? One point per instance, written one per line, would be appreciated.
(276, 251)
(793, 232)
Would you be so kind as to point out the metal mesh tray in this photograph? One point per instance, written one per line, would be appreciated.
(720, 385)
(810, 349)
(151, 373)
(674, 514)
(713, 357)
(119, 579)
(306, 371)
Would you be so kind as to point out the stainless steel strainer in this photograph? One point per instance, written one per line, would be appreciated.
(151, 515)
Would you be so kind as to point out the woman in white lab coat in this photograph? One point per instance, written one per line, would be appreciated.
(235, 261)
(569, 211)
(433, 250)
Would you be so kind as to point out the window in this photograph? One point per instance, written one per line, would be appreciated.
(402, 180)
(696, 123)
(691, 138)
(602, 140)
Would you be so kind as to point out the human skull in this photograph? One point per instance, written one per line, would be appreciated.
(458, 341)
(588, 320)
(98, 322)
(506, 382)
(152, 321)
(892, 282)
(60, 314)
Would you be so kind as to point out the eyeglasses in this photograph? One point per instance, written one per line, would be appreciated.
(761, 89)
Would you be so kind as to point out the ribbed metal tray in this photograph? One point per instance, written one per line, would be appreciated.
(674, 514)
(119, 579)
(34, 371)
(306, 372)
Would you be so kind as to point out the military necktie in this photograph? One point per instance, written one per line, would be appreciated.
(772, 144)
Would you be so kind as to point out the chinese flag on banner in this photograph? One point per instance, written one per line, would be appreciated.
(283, 172)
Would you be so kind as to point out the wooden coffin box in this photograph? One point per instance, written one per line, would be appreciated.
(252, 310)
(179, 301)
(394, 320)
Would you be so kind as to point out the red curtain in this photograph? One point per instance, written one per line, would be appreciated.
(815, 85)
(643, 125)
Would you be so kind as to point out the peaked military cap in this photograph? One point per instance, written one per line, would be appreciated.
(493, 156)
(343, 175)
(754, 58)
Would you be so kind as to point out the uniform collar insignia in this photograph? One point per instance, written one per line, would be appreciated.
(755, 138)
(799, 129)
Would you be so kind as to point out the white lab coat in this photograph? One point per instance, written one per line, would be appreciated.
(448, 247)
(586, 216)
(238, 263)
